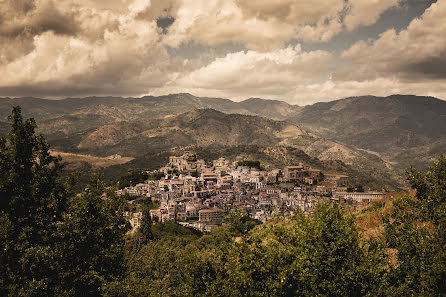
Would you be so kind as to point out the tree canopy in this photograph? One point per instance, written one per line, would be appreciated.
(54, 242)
(415, 229)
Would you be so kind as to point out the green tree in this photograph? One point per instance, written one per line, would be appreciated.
(239, 222)
(33, 199)
(321, 255)
(132, 177)
(249, 163)
(415, 231)
(52, 242)
(160, 267)
(91, 241)
(339, 262)
(145, 230)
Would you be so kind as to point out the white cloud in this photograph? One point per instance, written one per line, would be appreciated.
(251, 73)
(216, 22)
(267, 25)
(291, 11)
(89, 47)
(125, 58)
(418, 52)
(331, 90)
(281, 68)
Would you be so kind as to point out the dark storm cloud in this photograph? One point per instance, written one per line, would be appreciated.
(55, 90)
(417, 3)
(24, 18)
(430, 68)
(49, 89)
(119, 78)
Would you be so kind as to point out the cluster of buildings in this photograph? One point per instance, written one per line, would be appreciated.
(198, 195)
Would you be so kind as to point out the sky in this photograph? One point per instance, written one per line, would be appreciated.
(298, 51)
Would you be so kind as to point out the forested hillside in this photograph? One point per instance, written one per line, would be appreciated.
(56, 243)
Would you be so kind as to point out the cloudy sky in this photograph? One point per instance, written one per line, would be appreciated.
(298, 51)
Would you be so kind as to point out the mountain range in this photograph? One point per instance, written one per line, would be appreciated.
(405, 130)
(373, 138)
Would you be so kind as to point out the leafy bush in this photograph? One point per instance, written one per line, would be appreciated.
(249, 163)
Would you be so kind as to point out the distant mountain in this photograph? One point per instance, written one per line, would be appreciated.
(206, 130)
(112, 109)
(201, 127)
(399, 128)
(272, 109)
(4, 128)
(360, 132)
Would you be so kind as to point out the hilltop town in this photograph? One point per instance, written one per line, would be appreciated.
(198, 194)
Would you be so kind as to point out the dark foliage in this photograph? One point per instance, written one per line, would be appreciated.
(133, 177)
(52, 242)
(249, 163)
(56, 243)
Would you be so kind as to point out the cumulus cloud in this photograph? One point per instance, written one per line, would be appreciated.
(418, 52)
(81, 50)
(160, 9)
(332, 90)
(266, 25)
(408, 62)
(124, 47)
(22, 20)
(34, 17)
(121, 63)
(327, 90)
(257, 70)
(216, 22)
(251, 73)
(291, 11)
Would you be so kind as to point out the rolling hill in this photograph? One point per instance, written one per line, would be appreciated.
(402, 129)
(207, 131)
(405, 130)
(126, 109)
(360, 132)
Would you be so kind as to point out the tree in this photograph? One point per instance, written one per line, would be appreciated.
(160, 267)
(33, 199)
(53, 242)
(145, 230)
(415, 231)
(321, 255)
(133, 177)
(91, 240)
(249, 163)
(240, 223)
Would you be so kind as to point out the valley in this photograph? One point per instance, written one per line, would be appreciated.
(373, 139)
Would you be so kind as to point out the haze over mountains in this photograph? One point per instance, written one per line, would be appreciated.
(373, 135)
